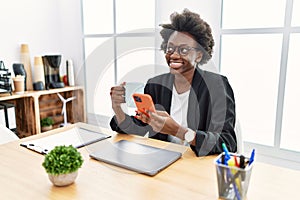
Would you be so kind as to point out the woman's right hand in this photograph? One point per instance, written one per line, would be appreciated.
(117, 95)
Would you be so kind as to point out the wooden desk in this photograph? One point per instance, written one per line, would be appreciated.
(23, 177)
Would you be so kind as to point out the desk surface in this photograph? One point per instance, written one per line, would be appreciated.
(191, 177)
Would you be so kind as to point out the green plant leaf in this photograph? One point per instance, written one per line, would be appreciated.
(62, 160)
(47, 121)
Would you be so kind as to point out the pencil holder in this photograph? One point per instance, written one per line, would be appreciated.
(233, 179)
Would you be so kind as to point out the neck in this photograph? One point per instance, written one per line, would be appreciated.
(183, 81)
(185, 77)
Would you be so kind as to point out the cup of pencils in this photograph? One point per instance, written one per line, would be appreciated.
(233, 174)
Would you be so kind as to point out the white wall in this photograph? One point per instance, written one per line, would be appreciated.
(47, 26)
(209, 10)
(71, 33)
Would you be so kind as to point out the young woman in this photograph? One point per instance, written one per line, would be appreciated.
(193, 106)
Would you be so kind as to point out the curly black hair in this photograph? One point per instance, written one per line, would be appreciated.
(191, 23)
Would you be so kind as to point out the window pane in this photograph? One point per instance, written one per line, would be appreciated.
(91, 44)
(134, 14)
(252, 63)
(135, 59)
(296, 13)
(290, 136)
(253, 13)
(98, 16)
(100, 74)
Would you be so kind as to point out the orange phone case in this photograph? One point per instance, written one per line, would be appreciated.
(143, 102)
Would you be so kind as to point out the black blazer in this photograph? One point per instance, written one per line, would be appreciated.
(211, 111)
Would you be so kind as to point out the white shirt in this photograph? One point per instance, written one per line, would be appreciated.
(179, 109)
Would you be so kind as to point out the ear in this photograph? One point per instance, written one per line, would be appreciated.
(199, 56)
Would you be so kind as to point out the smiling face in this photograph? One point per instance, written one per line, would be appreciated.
(185, 55)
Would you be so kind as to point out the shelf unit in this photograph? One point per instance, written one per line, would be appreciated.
(32, 106)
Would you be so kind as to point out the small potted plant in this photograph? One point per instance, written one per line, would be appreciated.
(62, 164)
(46, 123)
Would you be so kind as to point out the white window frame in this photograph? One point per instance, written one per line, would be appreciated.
(103, 119)
(273, 154)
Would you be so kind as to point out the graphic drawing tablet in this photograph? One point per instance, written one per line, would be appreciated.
(136, 157)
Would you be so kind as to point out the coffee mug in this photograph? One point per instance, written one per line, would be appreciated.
(131, 87)
(19, 84)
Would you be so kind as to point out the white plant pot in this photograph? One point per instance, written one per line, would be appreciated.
(47, 128)
(63, 179)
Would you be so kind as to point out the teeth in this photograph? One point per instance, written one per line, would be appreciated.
(174, 64)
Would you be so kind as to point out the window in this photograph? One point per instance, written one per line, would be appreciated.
(249, 60)
(118, 42)
(245, 14)
(98, 16)
(291, 109)
(134, 15)
(258, 53)
(296, 13)
(260, 41)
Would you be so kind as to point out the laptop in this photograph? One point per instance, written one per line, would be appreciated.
(136, 157)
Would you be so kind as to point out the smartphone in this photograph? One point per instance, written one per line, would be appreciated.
(143, 102)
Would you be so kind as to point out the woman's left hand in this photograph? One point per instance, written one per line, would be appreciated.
(160, 121)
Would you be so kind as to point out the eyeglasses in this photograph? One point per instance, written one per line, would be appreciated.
(182, 50)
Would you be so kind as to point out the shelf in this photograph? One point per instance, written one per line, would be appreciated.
(32, 106)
